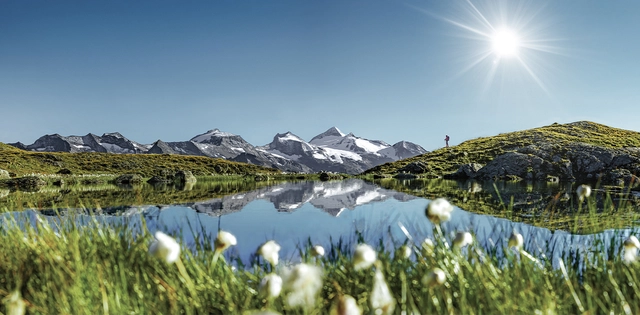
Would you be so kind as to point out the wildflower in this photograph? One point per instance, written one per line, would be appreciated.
(302, 283)
(364, 257)
(165, 247)
(631, 246)
(271, 285)
(14, 304)
(317, 251)
(269, 251)
(428, 245)
(583, 191)
(404, 252)
(516, 240)
(439, 210)
(462, 239)
(346, 305)
(433, 278)
(225, 240)
(381, 299)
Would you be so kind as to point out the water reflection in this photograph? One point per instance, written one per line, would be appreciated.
(325, 212)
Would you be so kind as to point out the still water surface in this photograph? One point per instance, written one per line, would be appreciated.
(324, 212)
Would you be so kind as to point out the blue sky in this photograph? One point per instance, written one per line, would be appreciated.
(388, 70)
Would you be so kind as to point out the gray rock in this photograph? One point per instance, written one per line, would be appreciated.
(465, 171)
(128, 179)
(184, 177)
(415, 168)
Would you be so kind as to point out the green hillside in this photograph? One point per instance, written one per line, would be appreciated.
(485, 149)
(20, 162)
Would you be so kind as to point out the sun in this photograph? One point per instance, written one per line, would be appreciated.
(505, 43)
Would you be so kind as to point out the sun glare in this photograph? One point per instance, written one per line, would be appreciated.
(503, 39)
(505, 43)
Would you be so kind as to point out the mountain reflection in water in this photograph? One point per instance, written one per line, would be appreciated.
(324, 212)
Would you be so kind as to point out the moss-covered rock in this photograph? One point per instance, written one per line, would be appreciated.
(128, 179)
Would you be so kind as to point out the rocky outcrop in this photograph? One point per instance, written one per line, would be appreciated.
(465, 171)
(179, 177)
(415, 168)
(27, 183)
(128, 179)
(184, 177)
(573, 162)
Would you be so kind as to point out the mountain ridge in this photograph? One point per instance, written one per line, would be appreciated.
(332, 151)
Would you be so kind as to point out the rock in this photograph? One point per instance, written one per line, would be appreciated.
(621, 177)
(184, 177)
(514, 164)
(128, 179)
(27, 183)
(64, 171)
(163, 176)
(415, 168)
(4, 174)
(465, 171)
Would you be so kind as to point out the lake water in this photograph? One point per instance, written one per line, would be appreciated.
(324, 212)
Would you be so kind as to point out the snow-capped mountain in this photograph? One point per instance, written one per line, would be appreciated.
(108, 142)
(331, 150)
(332, 197)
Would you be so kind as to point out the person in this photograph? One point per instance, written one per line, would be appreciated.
(446, 141)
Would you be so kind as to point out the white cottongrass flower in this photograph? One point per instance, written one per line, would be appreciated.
(317, 251)
(516, 240)
(14, 304)
(439, 210)
(428, 245)
(346, 305)
(631, 246)
(583, 191)
(404, 252)
(364, 257)
(462, 239)
(381, 299)
(269, 251)
(225, 240)
(302, 284)
(165, 247)
(433, 278)
(271, 285)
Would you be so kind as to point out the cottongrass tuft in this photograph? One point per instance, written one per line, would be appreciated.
(583, 191)
(271, 285)
(302, 284)
(516, 240)
(269, 251)
(345, 305)
(462, 239)
(317, 251)
(434, 277)
(439, 210)
(14, 304)
(225, 240)
(364, 257)
(382, 301)
(631, 246)
(165, 247)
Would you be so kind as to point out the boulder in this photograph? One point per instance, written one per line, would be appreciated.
(64, 171)
(465, 171)
(4, 174)
(184, 177)
(513, 165)
(27, 183)
(128, 179)
(415, 168)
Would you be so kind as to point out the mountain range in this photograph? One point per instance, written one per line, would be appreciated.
(331, 150)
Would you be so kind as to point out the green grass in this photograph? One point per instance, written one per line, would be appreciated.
(102, 269)
(20, 163)
(482, 150)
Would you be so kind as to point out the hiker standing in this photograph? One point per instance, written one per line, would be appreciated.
(446, 141)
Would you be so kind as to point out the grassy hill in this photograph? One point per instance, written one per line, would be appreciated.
(485, 149)
(22, 162)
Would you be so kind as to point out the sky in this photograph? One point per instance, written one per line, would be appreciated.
(383, 69)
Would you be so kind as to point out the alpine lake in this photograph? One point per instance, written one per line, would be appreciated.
(385, 212)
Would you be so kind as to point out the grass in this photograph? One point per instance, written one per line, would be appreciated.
(484, 149)
(96, 268)
(20, 163)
